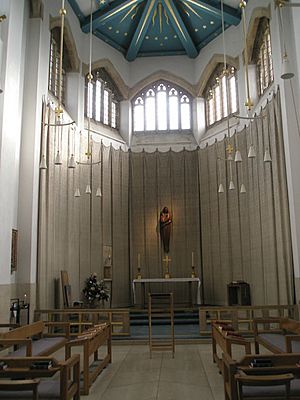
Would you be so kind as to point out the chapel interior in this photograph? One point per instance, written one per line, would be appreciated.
(150, 199)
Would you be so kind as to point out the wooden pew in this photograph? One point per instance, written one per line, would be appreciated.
(66, 388)
(32, 340)
(279, 335)
(91, 341)
(225, 340)
(281, 364)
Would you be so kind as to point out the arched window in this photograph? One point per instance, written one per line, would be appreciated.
(220, 94)
(102, 99)
(162, 107)
(53, 83)
(262, 56)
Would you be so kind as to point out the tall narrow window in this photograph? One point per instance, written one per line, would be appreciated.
(102, 105)
(98, 101)
(173, 110)
(53, 83)
(138, 116)
(113, 115)
(162, 107)
(262, 56)
(105, 106)
(150, 110)
(221, 94)
(185, 112)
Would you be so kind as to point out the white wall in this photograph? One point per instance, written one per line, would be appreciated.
(13, 32)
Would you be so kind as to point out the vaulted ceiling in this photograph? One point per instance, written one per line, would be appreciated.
(140, 28)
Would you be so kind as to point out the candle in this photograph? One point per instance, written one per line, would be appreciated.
(25, 298)
(193, 264)
(139, 260)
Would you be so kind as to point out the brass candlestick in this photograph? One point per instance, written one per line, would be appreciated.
(139, 275)
(167, 272)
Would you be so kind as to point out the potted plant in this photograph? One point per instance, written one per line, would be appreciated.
(95, 291)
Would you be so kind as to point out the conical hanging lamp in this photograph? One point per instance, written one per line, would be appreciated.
(99, 192)
(231, 185)
(251, 152)
(238, 156)
(88, 189)
(243, 188)
(43, 163)
(286, 72)
(267, 156)
(58, 159)
(221, 188)
(71, 162)
(77, 193)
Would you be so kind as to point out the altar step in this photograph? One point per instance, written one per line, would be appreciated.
(180, 318)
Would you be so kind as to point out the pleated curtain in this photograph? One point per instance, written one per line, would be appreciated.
(246, 236)
(234, 236)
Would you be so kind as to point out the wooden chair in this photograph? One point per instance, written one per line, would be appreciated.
(21, 385)
(243, 380)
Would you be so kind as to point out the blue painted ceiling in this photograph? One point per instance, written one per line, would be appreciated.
(140, 28)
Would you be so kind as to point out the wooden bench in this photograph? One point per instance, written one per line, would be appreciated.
(242, 317)
(281, 364)
(67, 387)
(279, 335)
(81, 318)
(225, 339)
(32, 340)
(91, 341)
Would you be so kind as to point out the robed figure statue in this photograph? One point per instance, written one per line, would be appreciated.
(165, 223)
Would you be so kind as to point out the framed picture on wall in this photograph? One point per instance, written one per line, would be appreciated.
(14, 250)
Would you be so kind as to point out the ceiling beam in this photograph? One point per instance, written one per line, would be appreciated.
(232, 16)
(180, 28)
(112, 11)
(75, 7)
(141, 30)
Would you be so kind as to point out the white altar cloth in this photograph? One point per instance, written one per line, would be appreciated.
(142, 281)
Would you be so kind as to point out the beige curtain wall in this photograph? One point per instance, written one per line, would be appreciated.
(76, 234)
(233, 236)
(247, 236)
(157, 180)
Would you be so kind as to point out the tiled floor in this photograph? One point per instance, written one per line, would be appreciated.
(134, 376)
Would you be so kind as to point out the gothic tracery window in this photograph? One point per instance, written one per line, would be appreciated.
(162, 107)
(102, 99)
(220, 94)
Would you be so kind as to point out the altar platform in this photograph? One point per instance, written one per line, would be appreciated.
(193, 300)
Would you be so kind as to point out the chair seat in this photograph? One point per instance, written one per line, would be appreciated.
(278, 340)
(40, 346)
(271, 391)
(47, 389)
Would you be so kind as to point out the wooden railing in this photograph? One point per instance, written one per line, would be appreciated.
(82, 318)
(241, 317)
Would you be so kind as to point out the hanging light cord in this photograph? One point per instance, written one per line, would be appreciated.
(225, 67)
(295, 107)
(248, 103)
(282, 28)
(62, 14)
(90, 77)
(285, 55)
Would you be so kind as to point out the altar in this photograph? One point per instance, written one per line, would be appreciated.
(165, 281)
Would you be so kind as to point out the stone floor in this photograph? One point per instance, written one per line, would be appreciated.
(191, 375)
